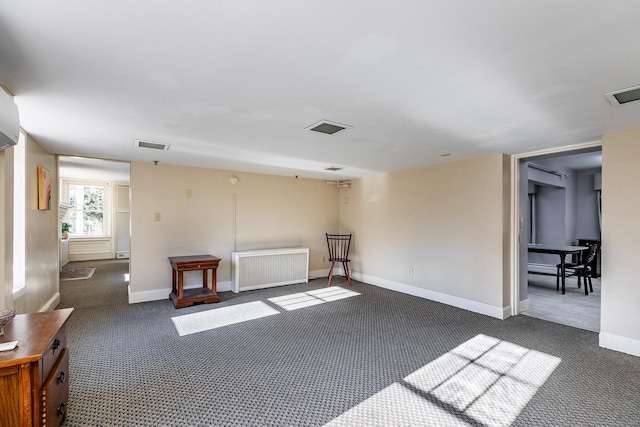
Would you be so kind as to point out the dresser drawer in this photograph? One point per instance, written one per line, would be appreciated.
(55, 392)
(197, 265)
(53, 352)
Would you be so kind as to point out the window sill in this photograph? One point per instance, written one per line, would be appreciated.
(17, 293)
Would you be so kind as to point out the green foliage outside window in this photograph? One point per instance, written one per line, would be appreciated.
(87, 210)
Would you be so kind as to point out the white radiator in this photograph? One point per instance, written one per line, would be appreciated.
(265, 268)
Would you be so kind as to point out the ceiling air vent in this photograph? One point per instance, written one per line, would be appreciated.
(152, 145)
(333, 168)
(330, 128)
(623, 96)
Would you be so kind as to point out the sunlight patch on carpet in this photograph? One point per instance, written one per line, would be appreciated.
(218, 317)
(77, 274)
(484, 381)
(310, 298)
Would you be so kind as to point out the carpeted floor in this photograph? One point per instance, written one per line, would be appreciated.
(350, 361)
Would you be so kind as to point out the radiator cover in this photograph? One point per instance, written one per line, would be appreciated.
(266, 268)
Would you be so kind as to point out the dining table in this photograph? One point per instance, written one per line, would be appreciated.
(561, 250)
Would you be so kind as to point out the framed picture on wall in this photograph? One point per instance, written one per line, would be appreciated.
(44, 188)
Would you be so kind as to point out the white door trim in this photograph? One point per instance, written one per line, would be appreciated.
(514, 255)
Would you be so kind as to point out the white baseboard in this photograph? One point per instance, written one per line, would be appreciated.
(224, 286)
(90, 257)
(506, 312)
(618, 343)
(317, 274)
(466, 304)
(52, 303)
(524, 305)
(160, 294)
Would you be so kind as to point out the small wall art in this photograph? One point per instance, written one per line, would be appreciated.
(44, 188)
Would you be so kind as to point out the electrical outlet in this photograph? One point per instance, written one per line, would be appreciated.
(410, 271)
(156, 216)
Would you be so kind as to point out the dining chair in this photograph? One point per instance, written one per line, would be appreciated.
(567, 266)
(339, 245)
(585, 269)
(575, 260)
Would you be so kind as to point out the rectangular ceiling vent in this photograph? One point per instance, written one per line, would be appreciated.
(623, 96)
(327, 127)
(333, 168)
(153, 145)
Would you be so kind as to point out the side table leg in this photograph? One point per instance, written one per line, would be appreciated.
(173, 281)
(205, 278)
(180, 285)
(214, 280)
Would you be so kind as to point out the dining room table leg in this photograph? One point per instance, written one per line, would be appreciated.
(562, 271)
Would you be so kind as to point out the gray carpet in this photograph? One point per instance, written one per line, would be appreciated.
(307, 367)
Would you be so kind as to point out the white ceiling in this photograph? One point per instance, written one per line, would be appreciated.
(234, 84)
(83, 168)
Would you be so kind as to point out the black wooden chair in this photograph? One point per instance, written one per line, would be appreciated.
(338, 245)
(586, 268)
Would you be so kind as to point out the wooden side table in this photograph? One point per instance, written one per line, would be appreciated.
(34, 377)
(185, 297)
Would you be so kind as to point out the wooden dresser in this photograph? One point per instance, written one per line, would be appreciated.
(34, 378)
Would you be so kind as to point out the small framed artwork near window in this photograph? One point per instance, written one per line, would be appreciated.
(44, 188)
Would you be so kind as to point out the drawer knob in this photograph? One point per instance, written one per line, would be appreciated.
(61, 377)
(56, 344)
(61, 409)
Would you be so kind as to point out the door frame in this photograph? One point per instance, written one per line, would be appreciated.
(514, 252)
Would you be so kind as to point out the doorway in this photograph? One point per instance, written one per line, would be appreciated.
(94, 207)
(557, 203)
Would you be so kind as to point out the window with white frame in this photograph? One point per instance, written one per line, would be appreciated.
(19, 215)
(88, 213)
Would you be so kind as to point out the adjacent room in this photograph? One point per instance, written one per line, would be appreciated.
(319, 213)
(564, 209)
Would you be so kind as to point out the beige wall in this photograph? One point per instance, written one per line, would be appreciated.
(620, 314)
(446, 222)
(260, 211)
(42, 246)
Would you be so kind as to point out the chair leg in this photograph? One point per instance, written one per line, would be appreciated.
(586, 278)
(590, 284)
(331, 273)
(586, 288)
(558, 279)
(346, 272)
(579, 274)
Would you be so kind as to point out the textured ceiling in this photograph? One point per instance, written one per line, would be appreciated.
(234, 84)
